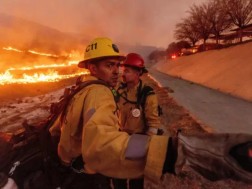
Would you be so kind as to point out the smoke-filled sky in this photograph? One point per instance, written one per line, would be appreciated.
(146, 22)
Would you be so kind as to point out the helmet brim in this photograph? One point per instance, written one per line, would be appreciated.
(83, 63)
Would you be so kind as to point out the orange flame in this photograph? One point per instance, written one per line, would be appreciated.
(12, 49)
(30, 51)
(49, 71)
(50, 76)
(70, 63)
(42, 54)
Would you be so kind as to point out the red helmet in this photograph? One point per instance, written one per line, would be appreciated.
(134, 60)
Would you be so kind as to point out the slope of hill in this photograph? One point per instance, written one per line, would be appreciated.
(228, 70)
(23, 35)
(26, 34)
(141, 49)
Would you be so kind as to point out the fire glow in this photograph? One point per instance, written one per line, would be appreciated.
(50, 76)
(12, 49)
(30, 51)
(41, 72)
(70, 63)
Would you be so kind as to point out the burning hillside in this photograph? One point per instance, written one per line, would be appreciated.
(54, 68)
(31, 52)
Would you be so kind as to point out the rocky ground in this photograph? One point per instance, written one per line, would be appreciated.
(20, 102)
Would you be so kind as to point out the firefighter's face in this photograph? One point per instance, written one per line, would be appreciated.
(107, 70)
(130, 75)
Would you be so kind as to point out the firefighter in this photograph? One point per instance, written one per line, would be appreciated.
(133, 99)
(91, 133)
(139, 109)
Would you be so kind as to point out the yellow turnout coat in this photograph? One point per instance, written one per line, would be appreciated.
(132, 123)
(91, 129)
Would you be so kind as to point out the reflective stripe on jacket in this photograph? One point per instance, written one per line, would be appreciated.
(91, 129)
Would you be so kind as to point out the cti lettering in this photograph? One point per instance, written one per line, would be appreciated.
(91, 47)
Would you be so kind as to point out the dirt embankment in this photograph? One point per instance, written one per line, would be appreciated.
(228, 70)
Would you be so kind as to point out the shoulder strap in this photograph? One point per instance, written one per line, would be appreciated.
(143, 94)
(121, 94)
(141, 100)
(75, 91)
(146, 91)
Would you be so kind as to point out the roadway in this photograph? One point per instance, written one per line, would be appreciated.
(221, 112)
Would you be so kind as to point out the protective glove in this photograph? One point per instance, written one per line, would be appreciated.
(214, 156)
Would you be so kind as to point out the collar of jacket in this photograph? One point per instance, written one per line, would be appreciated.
(91, 78)
(88, 78)
(135, 88)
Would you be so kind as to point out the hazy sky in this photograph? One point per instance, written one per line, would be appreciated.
(147, 22)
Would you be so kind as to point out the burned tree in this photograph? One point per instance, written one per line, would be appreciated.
(185, 30)
(218, 18)
(200, 16)
(239, 11)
